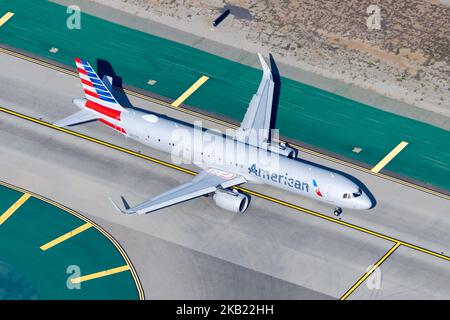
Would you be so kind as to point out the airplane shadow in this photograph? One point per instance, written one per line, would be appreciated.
(81, 123)
(104, 68)
(275, 105)
(276, 91)
(125, 203)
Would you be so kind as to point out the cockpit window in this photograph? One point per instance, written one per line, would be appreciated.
(357, 194)
(352, 195)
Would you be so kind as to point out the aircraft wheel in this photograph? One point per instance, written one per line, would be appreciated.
(337, 212)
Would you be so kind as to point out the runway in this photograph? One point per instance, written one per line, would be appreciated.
(323, 120)
(196, 250)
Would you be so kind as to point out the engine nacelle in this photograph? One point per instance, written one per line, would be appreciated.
(231, 201)
(284, 149)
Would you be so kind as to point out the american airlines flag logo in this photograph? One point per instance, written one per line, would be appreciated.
(316, 188)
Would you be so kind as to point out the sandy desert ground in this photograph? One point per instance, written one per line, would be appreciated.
(408, 59)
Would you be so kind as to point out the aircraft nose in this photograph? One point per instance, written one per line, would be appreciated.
(364, 202)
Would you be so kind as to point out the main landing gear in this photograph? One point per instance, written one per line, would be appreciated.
(337, 212)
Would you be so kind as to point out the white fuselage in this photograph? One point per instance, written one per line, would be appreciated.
(215, 150)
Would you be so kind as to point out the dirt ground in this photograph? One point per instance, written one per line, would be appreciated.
(407, 58)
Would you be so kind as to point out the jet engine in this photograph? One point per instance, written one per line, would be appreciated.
(231, 201)
(284, 149)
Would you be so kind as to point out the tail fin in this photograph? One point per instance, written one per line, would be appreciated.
(94, 88)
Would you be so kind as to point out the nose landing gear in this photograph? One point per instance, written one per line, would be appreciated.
(337, 212)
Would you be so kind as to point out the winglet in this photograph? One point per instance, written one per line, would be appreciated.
(124, 211)
(264, 65)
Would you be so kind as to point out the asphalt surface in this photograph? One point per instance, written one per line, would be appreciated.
(323, 120)
(196, 250)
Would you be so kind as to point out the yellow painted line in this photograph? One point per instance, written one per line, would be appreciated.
(96, 226)
(343, 223)
(389, 157)
(256, 194)
(66, 236)
(368, 273)
(103, 143)
(100, 274)
(232, 125)
(430, 252)
(316, 214)
(8, 213)
(190, 91)
(5, 18)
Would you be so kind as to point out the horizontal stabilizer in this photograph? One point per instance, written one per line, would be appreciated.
(204, 183)
(76, 118)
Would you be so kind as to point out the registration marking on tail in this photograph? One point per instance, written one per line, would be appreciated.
(100, 274)
(190, 91)
(389, 157)
(5, 18)
(8, 213)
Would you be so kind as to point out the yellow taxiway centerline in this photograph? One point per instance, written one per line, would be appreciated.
(66, 236)
(100, 274)
(96, 226)
(5, 18)
(256, 194)
(231, 125)
(190, 91)
(389, 157)
(14, 207)
(368, 273)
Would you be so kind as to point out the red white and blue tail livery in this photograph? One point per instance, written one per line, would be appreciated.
(94, 88)
(99, 104)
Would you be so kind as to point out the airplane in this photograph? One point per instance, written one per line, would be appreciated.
(251, 156)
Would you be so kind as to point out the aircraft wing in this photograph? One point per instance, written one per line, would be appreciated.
(255, 128)
(204, 183)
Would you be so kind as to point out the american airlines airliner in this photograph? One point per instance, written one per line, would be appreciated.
(248, 156)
